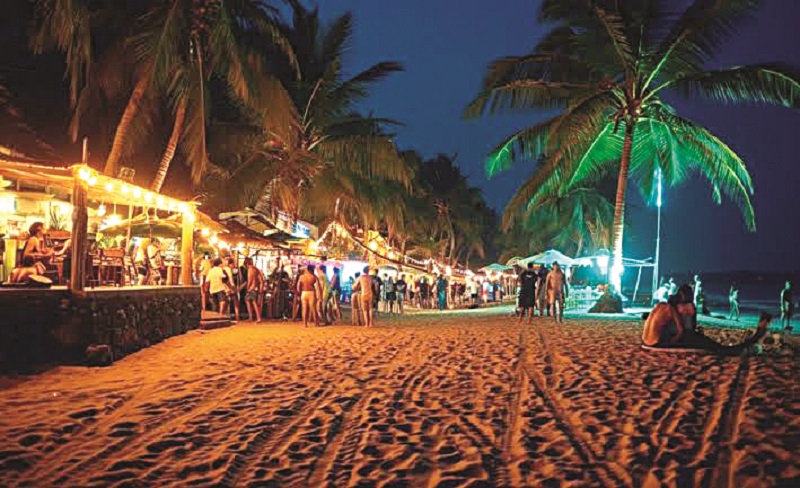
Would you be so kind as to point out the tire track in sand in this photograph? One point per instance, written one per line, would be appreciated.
(519, 391)
(724, 469)
(57, 473)
(610, 473)
(343, 443)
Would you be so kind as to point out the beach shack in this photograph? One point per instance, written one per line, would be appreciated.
(86, 301)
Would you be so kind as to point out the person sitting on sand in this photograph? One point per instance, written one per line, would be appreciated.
(666, 327)
(365, 286)
(30, 267)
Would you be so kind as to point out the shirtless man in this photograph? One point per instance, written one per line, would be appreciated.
(308, 289)
(255, 289)
(364, 285)
(556, 287)
(672, 324)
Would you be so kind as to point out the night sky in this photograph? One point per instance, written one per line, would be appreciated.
(446, 45)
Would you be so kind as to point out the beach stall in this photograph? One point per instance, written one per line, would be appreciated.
(68, 288)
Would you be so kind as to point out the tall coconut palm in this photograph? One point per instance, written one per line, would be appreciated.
(327, 152)
(182, 44)
(606, 64)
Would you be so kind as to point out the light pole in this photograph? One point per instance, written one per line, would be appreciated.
(658, 231)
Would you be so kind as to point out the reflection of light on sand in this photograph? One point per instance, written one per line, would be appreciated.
(432, 397)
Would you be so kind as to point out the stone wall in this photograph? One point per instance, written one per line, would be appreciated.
(54, 327)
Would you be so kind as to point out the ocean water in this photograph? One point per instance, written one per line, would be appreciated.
(758, 291)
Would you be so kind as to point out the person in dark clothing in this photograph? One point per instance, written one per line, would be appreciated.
(527, 292)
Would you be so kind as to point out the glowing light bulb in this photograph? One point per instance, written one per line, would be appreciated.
(373, 245)
(84, 173)
(113, 220)
(124, 189)
(101, 210)
(109, 186)
(160, 201)
(92, 180)
(148, 198)
(137, 193)
(205, 232)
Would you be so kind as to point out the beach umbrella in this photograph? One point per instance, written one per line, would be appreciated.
(549, 257)
(497, 268)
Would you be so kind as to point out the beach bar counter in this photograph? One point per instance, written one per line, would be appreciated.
(87, 303)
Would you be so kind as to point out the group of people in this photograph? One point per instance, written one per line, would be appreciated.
(543, 290)
(317, 297)
(698, 298)
(673, 324)
(224, 287)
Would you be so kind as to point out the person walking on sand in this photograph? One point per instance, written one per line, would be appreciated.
(365, 286)
(556, 287)
(308, 289)
(254, 290)
(441, 292)
(733, 299)
(335, 294)
(218, 285)
(389, 293)
(787, 307)
(527, 293)
(699, 296)
(234, 286)
(355, 302)
(400, 289)
(542, 291)
(324, 290)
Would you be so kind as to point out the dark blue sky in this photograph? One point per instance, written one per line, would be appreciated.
(446, 45)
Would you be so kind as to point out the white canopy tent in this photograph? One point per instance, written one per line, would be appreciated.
(547, 258)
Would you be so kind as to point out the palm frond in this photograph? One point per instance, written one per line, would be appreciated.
(704, 152)
(525, 95)
(774, 84)
(696, 35)
(527, 145)
(357, 88)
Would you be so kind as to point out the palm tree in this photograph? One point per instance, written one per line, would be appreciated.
(177, 47)
(326, 153)
(606, 64)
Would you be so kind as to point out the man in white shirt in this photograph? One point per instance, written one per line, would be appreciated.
(219, 285)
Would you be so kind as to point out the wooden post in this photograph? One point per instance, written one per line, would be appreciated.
(80, 223)
(187, 245)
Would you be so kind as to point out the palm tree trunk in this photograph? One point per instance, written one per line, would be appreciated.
(172, 145)
(134, 103)
(619, 207)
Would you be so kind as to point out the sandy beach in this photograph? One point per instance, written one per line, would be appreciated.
(459, 399)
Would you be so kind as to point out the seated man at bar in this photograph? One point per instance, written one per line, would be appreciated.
(23, 274)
